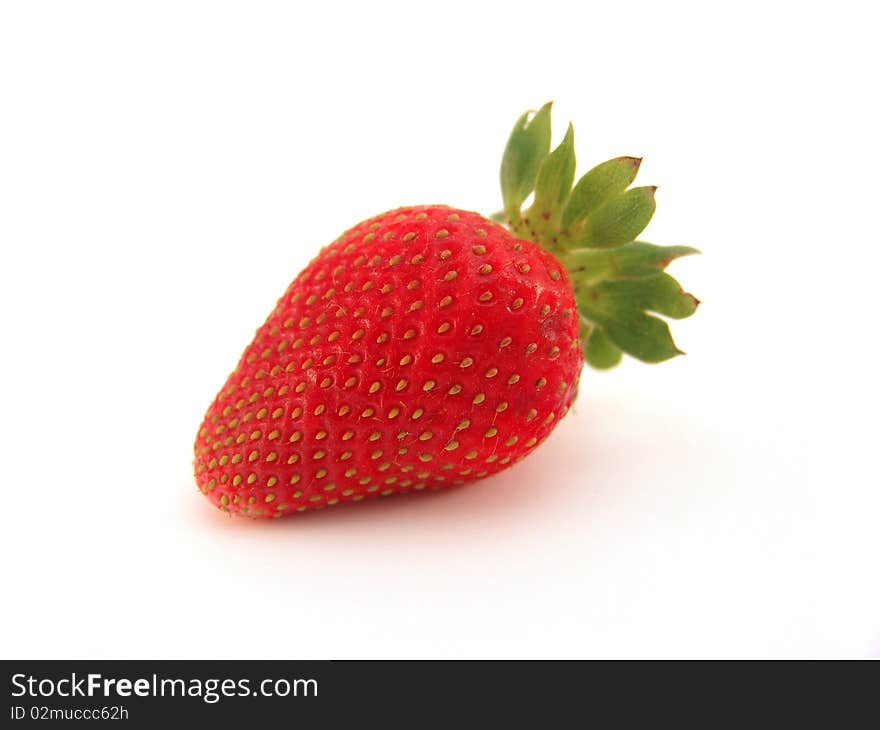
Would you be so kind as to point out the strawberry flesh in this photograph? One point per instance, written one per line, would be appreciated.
(425, 348)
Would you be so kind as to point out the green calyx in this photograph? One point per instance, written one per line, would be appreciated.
(591, 225)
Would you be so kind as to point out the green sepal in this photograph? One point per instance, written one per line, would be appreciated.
(636, 259)
(599, 185)
(660, 293)
(619, 283)
(554, 179)
(641, 335)
(619, 220)
(527, 146)
(599, 351)
(615, 289)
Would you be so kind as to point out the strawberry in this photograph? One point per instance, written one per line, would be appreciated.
(428, 346)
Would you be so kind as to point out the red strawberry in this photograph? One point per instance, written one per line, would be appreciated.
(428, 346)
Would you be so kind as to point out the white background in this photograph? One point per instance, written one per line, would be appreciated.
(167, 167)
